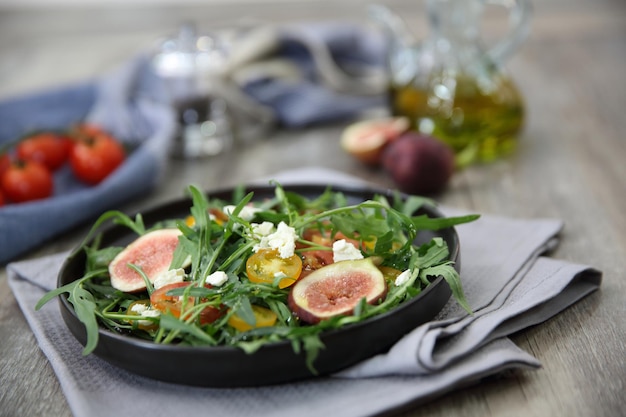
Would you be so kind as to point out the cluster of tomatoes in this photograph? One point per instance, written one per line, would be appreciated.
(27, 168)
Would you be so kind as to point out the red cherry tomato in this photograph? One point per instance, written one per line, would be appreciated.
(5, 162)
(26, 181)
(94, 157)
(1, 199)
(47, 148)
(87, 129)
(173, 304)
(315, 259)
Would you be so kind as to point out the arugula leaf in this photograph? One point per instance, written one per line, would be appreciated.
(84, 306)
(312, 345)
(432, 253)
(424, 222)
(453, 279)
(169, 322)
(244, 310)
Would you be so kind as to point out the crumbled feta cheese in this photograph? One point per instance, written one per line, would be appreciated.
(169, 277)
(144, 310)
(247, 212)
(403, 278)
(262, 229)
(345, 251)
(283, 240)
(148, 313)
(138, 308)
(217, 278)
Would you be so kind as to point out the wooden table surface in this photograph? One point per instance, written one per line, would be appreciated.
(571, 164)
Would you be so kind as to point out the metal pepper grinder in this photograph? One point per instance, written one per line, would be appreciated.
(191, 67)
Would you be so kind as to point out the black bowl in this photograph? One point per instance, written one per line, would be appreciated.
(226, 366)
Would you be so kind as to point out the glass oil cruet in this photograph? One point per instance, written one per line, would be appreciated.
(450, 85)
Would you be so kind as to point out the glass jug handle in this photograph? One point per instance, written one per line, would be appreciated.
(519, 24)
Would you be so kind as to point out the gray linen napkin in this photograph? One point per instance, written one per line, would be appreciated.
(506, 280)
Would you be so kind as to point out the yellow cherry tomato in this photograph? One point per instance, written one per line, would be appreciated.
(389, 273)
(264, 318)
(266, 265)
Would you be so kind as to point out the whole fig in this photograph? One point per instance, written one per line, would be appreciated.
(419, 164)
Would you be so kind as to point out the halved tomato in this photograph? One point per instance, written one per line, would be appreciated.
(315, 259)
(390, 273)
(160, 300)
(264, 318)
(266, 265)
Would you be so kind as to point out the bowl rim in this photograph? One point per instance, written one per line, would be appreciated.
(353, 191)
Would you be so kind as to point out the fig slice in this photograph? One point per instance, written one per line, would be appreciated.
(366, 140)
(152, 252)
(336, 289)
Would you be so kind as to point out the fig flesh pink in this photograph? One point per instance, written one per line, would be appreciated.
(152, 252)
(336, 289)
(366, 140)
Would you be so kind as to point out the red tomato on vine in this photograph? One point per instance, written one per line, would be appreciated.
(5, 162)
(26, 181)
(95, 155)
(47, 148)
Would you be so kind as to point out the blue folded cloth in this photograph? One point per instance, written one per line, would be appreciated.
(341, 69)
(126, 102)
(340, 74)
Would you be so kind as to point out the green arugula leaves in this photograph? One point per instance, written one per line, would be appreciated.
(387, 229)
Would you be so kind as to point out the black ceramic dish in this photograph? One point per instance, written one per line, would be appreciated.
(276, 363)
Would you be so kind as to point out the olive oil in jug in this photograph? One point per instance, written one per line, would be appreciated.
(481, 121)
(450, 85)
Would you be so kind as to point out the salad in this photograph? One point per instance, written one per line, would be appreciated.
(246, 273)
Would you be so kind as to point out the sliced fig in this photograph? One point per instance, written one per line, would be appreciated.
(152, 252)
(366, 140)
(336, 289)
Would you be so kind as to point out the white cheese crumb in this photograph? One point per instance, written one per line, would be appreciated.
(260, 230)
(403, 278)
(247, 212)
(217, 278)
(148, 313)
(345, 251)
(171, 276)
(138, 308)
(144, 311)
(283, 240)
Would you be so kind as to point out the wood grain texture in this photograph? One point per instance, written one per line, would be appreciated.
(570, 165)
